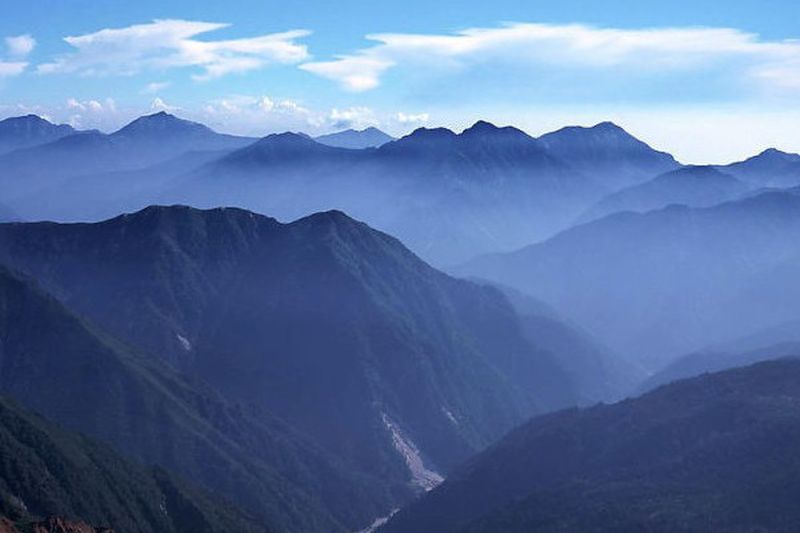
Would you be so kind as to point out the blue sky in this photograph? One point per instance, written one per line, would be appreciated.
(707, 80)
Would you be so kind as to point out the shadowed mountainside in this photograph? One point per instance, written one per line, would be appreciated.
(57, 364)
(47, 471)
(390, 354)
(714, 453)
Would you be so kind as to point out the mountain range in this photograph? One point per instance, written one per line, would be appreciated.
(146, 141)
(30, 130)
(173, 360)
(609, 153)
(660, 284)
(448, 196)
(770, 168)
(713, 453)
(444, 194)
(693, 186)
(408, 371)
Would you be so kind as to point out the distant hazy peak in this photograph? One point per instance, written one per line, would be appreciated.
(696, 171)
(481, 126)
(606, 129)
(289, 137)
(484, 128)
(775, 155)
(161, 122)
(30, 130)
(423, 132)
(370, 137)
(29, 118)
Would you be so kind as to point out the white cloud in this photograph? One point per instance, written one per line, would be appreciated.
(353, 117)
(12, 68)
(107, 105)
(419, 118)
(355, 73)
(258, 115)
(90, 113)
(20, 45)
(649, 50)
(264, 105)
(165, 44)
(160, 105)
(155, 87)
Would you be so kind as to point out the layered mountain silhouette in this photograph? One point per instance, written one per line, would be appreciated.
(665, 283)
(145, 141)
(319, 374)
(29, 130)
(694, 186)
(49, 472)
(715, 360)
(444, 194)
(357, 139)
(770, 168)
(338, 328)
(608, 153)
(448, 196)
(65, 368)
(596, 373)
(714, 453)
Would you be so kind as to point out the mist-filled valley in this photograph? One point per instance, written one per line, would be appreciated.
(478, 330)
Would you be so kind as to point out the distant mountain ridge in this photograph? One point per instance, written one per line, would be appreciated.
(370, 137)
(717, 273)
(693, 186)
(450, 196)
(608, 151)
(770, 168)
(145, 141)
(29, 130)
(446, 195)
(716, 360)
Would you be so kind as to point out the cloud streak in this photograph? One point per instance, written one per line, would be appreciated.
(167, 44)
(12, 68)
(20, 45)
(772, 64)
(17, 48)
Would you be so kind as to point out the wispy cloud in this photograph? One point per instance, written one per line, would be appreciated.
(17, 48)
(158, 104)
(356, 73)
(12, 68)
(92, 113)
(166, 44)
(406, 118)
(20, 45)
(155, 87)
(658, 50)
(353, 117)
